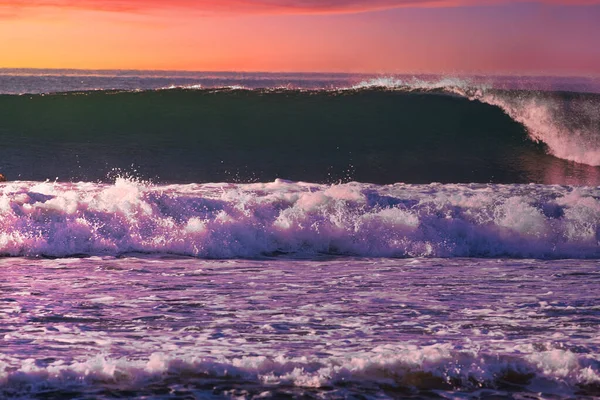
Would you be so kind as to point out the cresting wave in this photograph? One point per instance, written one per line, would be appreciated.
(381, 131)
(254, 220)
(568, 123)
(389, 369)
(415, 133)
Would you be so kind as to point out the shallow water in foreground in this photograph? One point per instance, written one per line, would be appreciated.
(176, 327)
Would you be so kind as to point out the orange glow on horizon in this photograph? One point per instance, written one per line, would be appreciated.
(113, 34)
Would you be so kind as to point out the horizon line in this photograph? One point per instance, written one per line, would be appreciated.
(445, 74)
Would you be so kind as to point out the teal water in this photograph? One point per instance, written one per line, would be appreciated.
(368, 135)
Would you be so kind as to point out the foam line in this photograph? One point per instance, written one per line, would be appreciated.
(252, 220)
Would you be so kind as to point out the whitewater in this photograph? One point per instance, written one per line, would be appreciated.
(227, 220)
(178, 235)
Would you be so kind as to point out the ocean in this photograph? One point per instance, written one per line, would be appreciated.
(180, 235)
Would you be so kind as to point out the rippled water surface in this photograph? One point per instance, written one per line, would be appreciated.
(161, 327)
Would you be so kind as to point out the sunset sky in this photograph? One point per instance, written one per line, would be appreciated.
(379, 36)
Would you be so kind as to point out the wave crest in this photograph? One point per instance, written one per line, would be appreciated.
(568, 123)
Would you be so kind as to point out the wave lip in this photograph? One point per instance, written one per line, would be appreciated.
(568, 123)
(253, 220)
(571, 132)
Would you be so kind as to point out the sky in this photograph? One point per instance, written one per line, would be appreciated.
(549, 37)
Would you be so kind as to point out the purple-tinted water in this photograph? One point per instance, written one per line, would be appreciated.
(291, 289)
(157, 327)
(326, 319)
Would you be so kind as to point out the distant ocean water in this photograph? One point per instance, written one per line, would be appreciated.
(195, 235)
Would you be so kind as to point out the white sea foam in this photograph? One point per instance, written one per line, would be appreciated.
(160, 327)
(436, 366)
(249, 220)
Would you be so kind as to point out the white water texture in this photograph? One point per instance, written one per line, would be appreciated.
(225, 220)
(177, 327)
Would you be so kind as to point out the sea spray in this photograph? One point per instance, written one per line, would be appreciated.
(252, 220)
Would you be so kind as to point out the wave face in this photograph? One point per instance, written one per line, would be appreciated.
(299, 219)
(380, 131)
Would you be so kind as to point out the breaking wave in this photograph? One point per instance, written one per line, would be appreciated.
(568, 123)
(380, 131)
(254, 220)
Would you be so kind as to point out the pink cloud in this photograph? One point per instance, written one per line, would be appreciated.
(10, 7)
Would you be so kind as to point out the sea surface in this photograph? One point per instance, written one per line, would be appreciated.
(181, 235)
